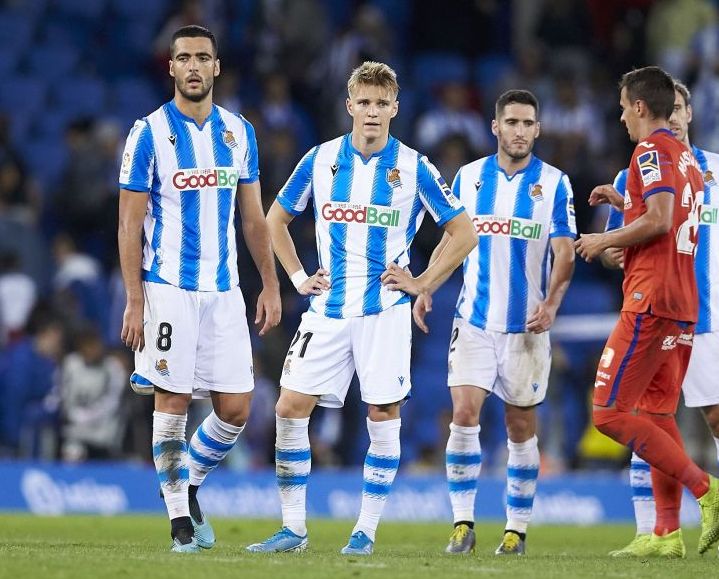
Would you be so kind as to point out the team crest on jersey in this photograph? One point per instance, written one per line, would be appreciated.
(393, 178)
(172, 139)
(709, 179)
(229, 139)
(649, 167)
(161, 367)
(535, 192)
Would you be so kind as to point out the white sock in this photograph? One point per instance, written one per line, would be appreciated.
(463, 461)
(640, 479)
(169, 450)
(293, 462)
(380, 468)
(522, 474)
(211, 442)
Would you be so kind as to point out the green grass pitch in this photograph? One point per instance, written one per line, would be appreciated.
(137, 547)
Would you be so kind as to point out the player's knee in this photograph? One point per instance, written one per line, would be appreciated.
(464, 415)
(711, 414)
(235, 416)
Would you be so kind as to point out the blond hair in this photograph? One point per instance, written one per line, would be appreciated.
(373, 74)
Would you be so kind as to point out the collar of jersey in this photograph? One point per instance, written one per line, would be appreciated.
(211, 117)
(385, 149)
(663, 131)
(529, 166)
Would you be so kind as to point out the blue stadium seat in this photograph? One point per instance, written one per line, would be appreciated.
(52, 61)
(431, 69)
(83, 96)
(45, 158)
(23, 93)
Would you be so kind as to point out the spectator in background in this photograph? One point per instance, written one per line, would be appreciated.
(453, 116)
(27, 381)
(281, 113)
(91, 387)
(18, 294)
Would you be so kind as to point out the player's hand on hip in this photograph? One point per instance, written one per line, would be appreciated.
(590, 245)
(315, 284)
(133, 328)
(269, 307)
(422, 306)
(606, 194)
(396, 278)
(542, 318)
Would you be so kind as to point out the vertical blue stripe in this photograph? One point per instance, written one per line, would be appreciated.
(560, 211)
(616, 218)
(382, 193)
(625, 360)
(701, 261)
(142, 158)
(341, 189)
(157, 215)
(518, 284)
(252, 158)
(291, 193)
(189, 204)
(486, 196)
(545, 271)
(225, 196)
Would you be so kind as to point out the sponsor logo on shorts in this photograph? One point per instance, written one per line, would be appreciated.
(377, 215)
(686, 339)
(599, 383)
(604, 375)
(161, 367)
(286, 367)
(450, 367)
(507, 227)
(607, 356)
(669, 342)
(535, 386)
(401, 380)
(185, 179)
(637, 295)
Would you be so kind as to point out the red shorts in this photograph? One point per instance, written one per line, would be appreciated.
(643, 364)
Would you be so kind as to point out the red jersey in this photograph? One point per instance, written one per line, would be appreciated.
(659, 274)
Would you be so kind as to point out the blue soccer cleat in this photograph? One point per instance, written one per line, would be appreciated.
(283, 541)
(359, 544)
(204, 533)
(179, 547)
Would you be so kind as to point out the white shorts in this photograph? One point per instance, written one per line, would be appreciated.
(325, 352)
(195, 342)
(701, 385)
(515, 367)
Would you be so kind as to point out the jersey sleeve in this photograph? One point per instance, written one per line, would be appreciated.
(435, 194)
(563, 219)
(296, 192)
(250, 172)
(615, 219)
(138, 159)
(655, 168)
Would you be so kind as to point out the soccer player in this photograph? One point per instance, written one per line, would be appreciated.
(182, 169)
(514, 282)
(699, 386)
(645, 359)
(370, 193)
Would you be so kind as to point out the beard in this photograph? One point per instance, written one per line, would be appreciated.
(517, 155)
(195, 97)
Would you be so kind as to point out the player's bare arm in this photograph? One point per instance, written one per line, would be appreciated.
(462, 240)
(133, 206)
(278, 221)
(656, 221)
(423, 303)
(257, 239)
(606, 194)
(562, 269)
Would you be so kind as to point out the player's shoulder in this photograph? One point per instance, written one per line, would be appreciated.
(712, 159)
(549, 172)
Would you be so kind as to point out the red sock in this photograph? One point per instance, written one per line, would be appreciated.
(652, 444)
(667, 490)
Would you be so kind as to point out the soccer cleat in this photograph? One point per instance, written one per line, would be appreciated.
(709, 507)
(637, 547)
(184, 542)
(669, 546)
(512, 544)
(283, 541)
(462, 540)
(359, 544)
(204, 533)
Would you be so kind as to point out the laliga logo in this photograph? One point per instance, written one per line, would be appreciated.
(201, 178)
(507, 227)
(367, 214)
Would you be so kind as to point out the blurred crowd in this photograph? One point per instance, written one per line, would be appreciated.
(79, 72)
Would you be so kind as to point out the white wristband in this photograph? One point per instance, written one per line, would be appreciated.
(298, 278)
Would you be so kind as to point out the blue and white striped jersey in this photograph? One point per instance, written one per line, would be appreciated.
(192, 174)
(367, 212)
(706, 260)
(507, 275)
